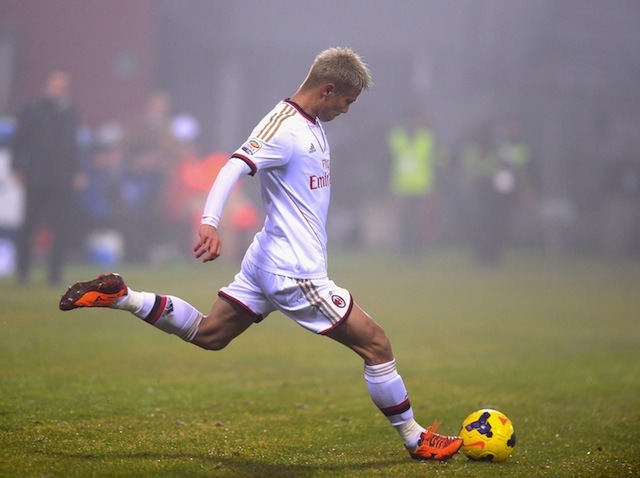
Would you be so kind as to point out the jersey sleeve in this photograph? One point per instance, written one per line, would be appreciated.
(270, 144)
(222, 187)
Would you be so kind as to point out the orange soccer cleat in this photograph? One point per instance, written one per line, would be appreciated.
(100, 292)
(433, 446)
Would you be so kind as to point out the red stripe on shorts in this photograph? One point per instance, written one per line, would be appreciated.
(228, 298)
(346, 315)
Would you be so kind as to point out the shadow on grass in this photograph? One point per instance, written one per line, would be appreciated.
(237, 465)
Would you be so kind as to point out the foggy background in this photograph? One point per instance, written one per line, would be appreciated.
(567, 70)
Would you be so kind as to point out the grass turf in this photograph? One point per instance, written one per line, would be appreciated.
(552, 343)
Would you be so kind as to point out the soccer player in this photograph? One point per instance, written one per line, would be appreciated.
(285, 267)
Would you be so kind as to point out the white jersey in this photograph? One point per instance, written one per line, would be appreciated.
(289, 151)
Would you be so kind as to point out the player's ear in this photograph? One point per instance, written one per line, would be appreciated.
(328, 89)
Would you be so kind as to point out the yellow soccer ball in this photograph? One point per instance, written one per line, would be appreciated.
(487, 435)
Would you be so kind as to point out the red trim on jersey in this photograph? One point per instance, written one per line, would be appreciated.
(300, 110)
(251, 164)
(228, 298)
(325, 332)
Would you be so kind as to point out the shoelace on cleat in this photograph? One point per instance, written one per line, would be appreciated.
(434, 439)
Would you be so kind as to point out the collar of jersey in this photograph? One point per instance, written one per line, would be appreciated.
(300, 110)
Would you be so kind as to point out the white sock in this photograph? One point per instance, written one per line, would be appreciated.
(168, 313)
(410, 432)
(388, 392)
(134, 302)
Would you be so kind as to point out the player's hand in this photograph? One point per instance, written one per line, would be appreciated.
(209, 246)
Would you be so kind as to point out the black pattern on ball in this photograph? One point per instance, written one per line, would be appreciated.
(482, 426)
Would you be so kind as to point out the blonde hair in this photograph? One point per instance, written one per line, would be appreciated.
(340, 66)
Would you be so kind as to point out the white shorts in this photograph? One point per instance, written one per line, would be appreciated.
(316, 304)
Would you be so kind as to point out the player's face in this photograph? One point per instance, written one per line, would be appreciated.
(335, 104)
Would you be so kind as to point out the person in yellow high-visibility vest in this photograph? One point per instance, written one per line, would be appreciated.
(414, 157)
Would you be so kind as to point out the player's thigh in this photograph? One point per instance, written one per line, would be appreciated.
(226, 321)
(364, 336)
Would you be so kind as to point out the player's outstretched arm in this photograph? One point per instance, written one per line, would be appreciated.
(209, 247)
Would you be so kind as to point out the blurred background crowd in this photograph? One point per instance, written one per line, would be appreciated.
(493, 125)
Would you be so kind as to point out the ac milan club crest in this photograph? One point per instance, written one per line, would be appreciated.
(338, 301)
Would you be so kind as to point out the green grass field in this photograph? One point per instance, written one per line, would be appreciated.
(553, 343)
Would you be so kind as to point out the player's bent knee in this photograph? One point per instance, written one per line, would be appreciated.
(212, 344)
(216, 332)
(211, 339)
(216, 345)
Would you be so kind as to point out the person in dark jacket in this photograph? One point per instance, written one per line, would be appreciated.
(46, 161)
